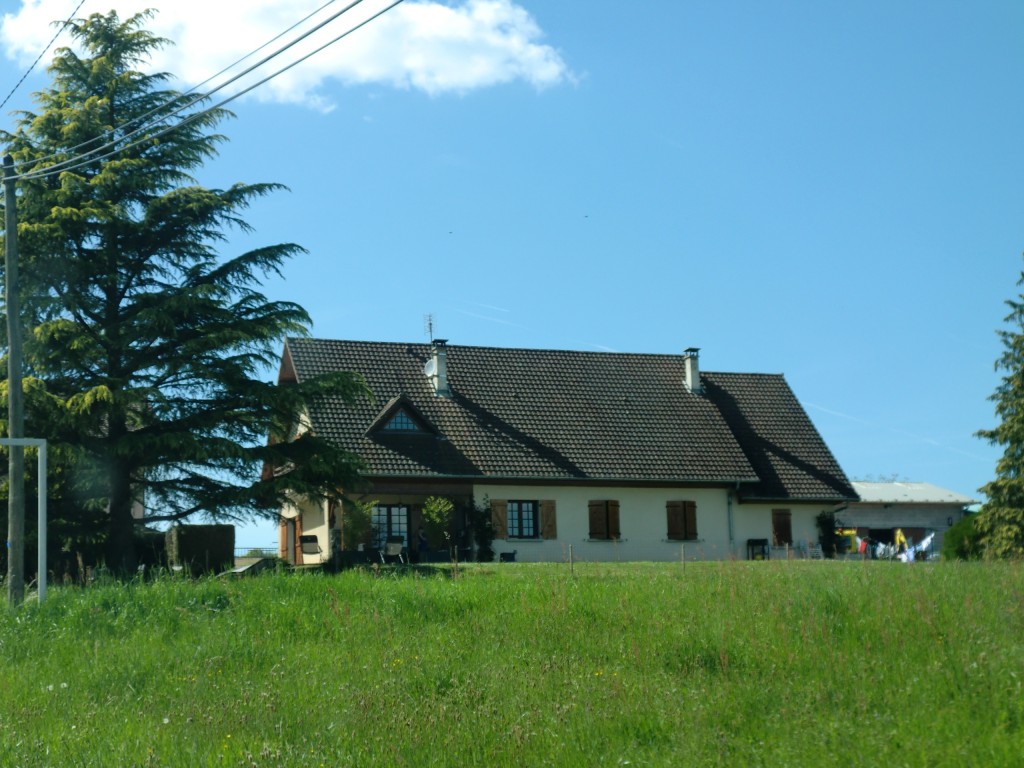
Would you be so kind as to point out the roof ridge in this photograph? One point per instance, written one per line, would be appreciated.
(483, 347)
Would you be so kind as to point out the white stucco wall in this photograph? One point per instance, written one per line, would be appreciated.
(643, 524)
(754, 521)
(642, 521)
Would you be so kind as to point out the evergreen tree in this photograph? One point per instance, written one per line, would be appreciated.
(151, 345)
(1001, 520)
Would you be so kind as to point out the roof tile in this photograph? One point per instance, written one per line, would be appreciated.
(567, 415)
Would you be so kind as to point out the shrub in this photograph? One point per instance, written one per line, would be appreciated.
(962, 541)
(357, 523)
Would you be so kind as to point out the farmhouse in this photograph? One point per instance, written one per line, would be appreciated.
(619, 456)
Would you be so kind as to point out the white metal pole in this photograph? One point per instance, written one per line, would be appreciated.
(41, 493)
(36, 442)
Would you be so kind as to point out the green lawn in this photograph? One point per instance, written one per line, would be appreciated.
(735, 663)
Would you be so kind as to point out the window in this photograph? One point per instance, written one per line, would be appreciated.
(604, 520)
(782, 527)
(401, 422)
(390, 521)
(522, 519)
(682, 520)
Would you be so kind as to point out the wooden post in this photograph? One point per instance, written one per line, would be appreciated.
(15, 405)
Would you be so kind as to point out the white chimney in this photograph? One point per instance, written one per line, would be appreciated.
(436, 368)
(691, 371)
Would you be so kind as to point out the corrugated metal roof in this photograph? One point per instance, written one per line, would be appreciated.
(908, 493)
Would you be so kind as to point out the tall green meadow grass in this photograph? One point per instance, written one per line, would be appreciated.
(733, 663)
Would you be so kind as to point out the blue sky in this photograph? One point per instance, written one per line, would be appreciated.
(828, 190)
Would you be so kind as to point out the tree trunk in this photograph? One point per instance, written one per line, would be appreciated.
(121, 557)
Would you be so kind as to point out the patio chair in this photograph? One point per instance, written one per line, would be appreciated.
(393, 551)
(310, 545)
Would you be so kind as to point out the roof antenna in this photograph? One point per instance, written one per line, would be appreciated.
(428, 325)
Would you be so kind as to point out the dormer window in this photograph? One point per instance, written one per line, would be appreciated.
(401, 422)
(401, 417)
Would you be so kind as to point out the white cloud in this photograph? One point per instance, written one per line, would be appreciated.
(430, 46)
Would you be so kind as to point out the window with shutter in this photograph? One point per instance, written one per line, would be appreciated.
(522, 519)
(682, 520)
(604, 519)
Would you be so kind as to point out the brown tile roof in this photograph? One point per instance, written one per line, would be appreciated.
(781, 443)
(560, 415)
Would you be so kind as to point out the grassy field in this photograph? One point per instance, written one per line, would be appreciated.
(736, 663)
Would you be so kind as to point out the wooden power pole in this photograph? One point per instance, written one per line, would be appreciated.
(15, 404)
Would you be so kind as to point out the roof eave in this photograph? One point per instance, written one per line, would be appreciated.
(725, 482)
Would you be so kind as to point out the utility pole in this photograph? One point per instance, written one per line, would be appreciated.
(15, 406)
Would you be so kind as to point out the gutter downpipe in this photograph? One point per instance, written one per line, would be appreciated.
(728, 516)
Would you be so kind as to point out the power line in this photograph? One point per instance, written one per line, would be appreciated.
(170, 102)
(85, 158)
(88, 159)
(40, 56)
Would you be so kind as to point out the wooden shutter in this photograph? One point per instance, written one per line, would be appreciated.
(499, 519)
(690, 519)
(613, 520)
(548, 525)
(598, 520)
(682, 520)
(676, 520)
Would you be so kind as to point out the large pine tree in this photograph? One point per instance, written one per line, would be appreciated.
(151, 344)
(1001, 520)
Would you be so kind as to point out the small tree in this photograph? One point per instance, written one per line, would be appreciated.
(357, 522)
(1001, 520)
(438, 515)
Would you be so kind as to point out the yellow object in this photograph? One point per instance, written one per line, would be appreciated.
(847, 536)
(899, 540)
